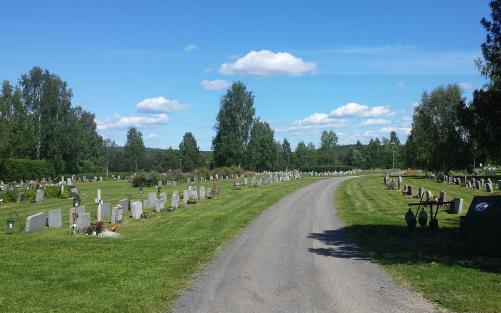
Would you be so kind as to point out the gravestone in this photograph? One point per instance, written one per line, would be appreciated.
(202, 192)
(152, 199)
(55, 218)
(74, 212)
(468, 184)
(82, 221)
(420, 192)
(458, 205)
(442, 196)
(409, 190)
(482, 182)
(488, 187)
(20, 197)
(69, 182)
(98, 199)
(478, 184)
(124, 203)
(99, 212)
(136, 209)
(35, 222)
(160, 205)
(499, 184)
(175, 200)
(186, 196)
(428, 195)
(62, 190)
(159, 183)
(39, 196)
(147, 204)
(106, 209)
(117, 215)
(163, 197)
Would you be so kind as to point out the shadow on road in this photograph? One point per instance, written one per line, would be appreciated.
(394, 244)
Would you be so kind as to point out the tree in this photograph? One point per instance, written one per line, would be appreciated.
(327, 154)
(134, 150)
(234, 122)
(262, 149)
(482, 117)
(300, 155)
(437, 141)
(286, 152)
(190, 153)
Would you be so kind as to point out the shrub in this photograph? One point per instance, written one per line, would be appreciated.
(17, 169)
(145, 179)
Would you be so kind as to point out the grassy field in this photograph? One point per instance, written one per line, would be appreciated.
(143, 271)
(437, 265)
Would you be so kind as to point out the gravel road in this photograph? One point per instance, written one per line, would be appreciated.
(296, 257)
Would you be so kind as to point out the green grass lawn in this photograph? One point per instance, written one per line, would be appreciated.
(438, 264)
(143, 271)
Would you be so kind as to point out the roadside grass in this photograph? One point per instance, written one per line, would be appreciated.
(438, 264)
(143, 271)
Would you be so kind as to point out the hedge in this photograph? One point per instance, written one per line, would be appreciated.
(17, 169)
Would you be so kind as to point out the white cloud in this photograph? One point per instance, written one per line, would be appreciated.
(355, 109)
(385, 131)
(268, 63)
(375, 121)
(466, 85)
(190, 47)
(313, 122)
(217, 84)
(160, 105)
(122, 122)
(151, 136)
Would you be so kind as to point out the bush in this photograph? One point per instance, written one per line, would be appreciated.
(174, 175)
(145, 179)
(17, 169)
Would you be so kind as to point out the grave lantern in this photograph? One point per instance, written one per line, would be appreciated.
(76, 202)
(10, 225)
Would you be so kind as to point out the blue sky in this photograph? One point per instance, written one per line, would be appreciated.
(354, 67)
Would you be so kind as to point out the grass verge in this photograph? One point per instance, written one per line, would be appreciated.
(438, 264)
(143, 271)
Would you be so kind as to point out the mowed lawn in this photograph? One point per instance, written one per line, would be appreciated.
(143, 271)
(437, 265)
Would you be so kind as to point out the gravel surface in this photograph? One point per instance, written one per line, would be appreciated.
(296, 257)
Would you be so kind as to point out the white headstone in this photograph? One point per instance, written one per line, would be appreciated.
(39, 196)
(136, 209)
(82, 221)
(175, 201)
(35, 222)
(186, 196)
(55, 218)
(117, 215)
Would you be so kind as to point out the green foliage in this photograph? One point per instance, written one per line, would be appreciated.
(145, 179)
(134, 150)
(262, 149)
(437, 134)
(233, 125)
(17, 169)
(327, 154)
(190, 153)
(38, 122)
(174, 175)
(227, 171)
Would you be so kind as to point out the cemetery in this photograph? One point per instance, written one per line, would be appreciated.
(171, 240)
(249, 161)
(429, 253)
